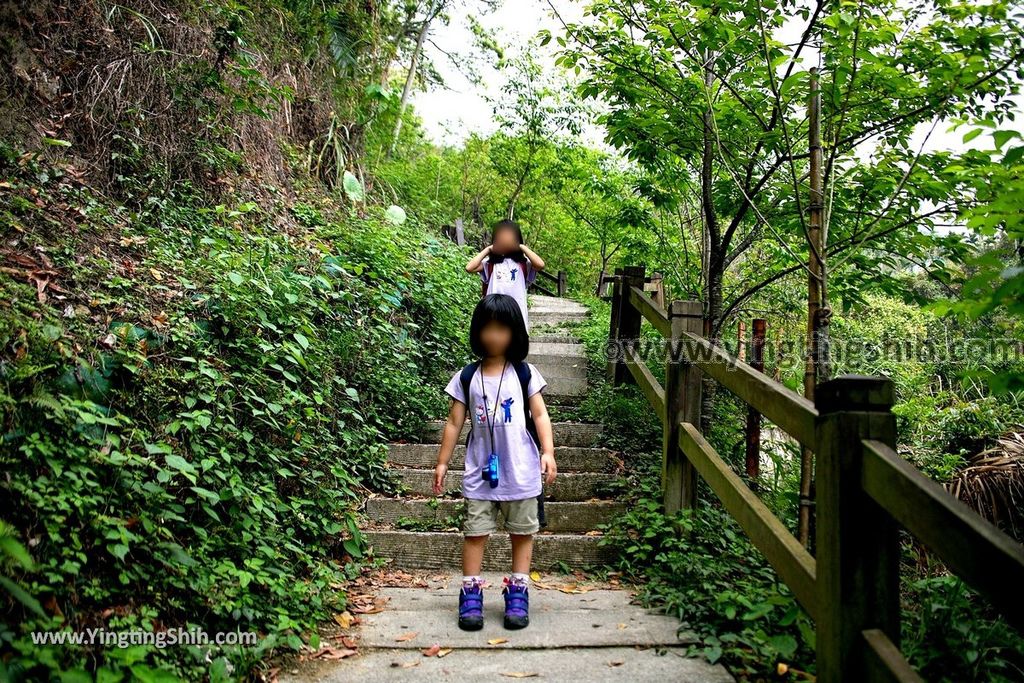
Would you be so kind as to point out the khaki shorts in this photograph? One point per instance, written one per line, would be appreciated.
(482, 516)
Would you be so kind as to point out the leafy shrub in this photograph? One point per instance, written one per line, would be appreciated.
(190, 420)
(701, 567)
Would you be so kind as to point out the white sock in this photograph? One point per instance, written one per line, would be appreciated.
(521, 578)
(469, 580)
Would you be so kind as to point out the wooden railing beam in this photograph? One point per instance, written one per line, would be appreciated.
(972, 547)
(791, 560)
(793, 413)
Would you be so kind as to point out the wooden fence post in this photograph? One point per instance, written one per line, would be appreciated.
(858, 551)
(626, 321)
(682, 404)
(613, 352)
(562, 283)
(753, 430)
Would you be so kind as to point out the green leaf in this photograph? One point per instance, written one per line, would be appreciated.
(19, 594)
(395, 214)
(353, 188)
(16, 551)
(236, 278)
(785, 645)
(183, 466)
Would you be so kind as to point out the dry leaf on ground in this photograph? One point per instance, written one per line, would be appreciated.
(345, 619)
(406, 637)
(432, 650)
(444, 652)
(497, 641)
(405, 665)
(520, 674)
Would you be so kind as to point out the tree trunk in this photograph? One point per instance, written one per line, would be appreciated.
(816, 364)
(411, 76)
(715, 256)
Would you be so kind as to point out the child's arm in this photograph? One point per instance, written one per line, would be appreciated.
(476, 264)
(547, 440)
(536, 261)
(450, 436)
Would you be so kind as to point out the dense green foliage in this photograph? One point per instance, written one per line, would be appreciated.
(192, 437)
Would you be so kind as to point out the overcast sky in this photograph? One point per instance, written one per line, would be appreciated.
(450, 114)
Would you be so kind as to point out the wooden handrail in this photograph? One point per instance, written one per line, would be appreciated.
(560, 279)
(649, 309)
(970, 545)
(885, 662)
(652, 390)
(865, 489)
(793, 413)
(790, 559)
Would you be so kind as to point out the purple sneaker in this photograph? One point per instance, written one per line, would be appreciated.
(471, 607)
(517, 604)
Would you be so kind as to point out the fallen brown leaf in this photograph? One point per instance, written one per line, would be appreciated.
(444, 652)
(406, 637)
(344, 619)
(497, 641)
(329, 652)
(432, 650)
(520, 674)
(619, 663)
(406, 665)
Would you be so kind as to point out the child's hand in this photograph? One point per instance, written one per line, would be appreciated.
(548, 467)
(439, 473)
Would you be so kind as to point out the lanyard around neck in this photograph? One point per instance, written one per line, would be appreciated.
(483, 390)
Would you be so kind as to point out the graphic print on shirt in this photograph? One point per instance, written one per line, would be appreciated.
(513, 273)
(481, 414)
(507, 407)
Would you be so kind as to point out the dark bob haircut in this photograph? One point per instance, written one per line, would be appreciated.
(505, 310)
(507, 224)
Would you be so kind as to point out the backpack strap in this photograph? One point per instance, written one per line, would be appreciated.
(465, 377)
(525, 375)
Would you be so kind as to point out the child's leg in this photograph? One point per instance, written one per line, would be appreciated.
(473, 555)
(522, 552)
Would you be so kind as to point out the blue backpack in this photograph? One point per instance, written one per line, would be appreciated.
(523, 373)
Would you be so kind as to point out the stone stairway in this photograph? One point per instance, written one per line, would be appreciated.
(580, 630)
(420, 531)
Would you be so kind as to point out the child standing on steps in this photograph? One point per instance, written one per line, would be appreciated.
(507, 266)
(505, 458)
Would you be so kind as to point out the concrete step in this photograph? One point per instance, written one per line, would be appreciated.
(487, 663)
(541, 301)
(567, 485)
(543, 337)
(565, 386)
(568, 458)
(540, 350)
(560, 516)
(595, 618)
(443, 550)
(565, 433)
(562, 370)
(557, 317)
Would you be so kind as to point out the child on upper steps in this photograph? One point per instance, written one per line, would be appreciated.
(507, 266)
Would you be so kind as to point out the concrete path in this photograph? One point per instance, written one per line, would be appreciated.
(591, 635)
